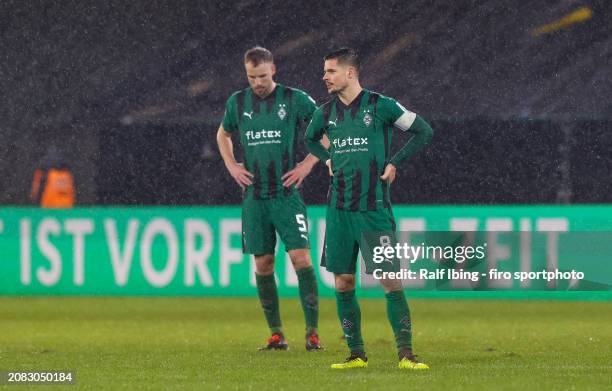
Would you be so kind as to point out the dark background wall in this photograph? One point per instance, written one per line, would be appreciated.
(479, 160)
(133, 92)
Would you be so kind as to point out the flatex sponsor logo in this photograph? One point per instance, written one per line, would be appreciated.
(256, 137)
(350, 144)
(350, 141)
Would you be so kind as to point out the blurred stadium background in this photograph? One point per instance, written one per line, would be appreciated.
(132, 93)
(518, 93)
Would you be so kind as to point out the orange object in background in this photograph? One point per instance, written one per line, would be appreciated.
(53, 188)
(53, 183)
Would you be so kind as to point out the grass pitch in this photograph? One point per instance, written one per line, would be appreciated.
(211, 343)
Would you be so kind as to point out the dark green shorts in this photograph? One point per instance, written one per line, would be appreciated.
(347, 233)
(261, 219)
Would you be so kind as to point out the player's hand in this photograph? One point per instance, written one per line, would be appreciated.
(241, 175)
(296, 175)
(328, 164)
(389, 174)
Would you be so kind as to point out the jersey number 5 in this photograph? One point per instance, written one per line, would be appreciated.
(302, 222)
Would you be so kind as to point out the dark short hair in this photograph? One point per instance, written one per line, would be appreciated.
(256, 55)
(344, 56)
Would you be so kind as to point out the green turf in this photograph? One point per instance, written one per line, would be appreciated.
(205, 343)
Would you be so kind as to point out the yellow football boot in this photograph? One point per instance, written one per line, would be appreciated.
(352, 362)
(409, 361)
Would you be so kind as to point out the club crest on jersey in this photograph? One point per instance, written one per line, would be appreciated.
(282, 112)
(367, 119)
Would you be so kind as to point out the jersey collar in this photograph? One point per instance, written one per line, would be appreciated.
(354, 103)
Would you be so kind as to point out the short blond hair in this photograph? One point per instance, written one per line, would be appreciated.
(256, 55)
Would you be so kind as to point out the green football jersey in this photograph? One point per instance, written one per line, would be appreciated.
(268, 136)
(360, 144)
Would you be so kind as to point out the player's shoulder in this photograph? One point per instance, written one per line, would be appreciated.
(373, 93)
(328, 103)
(299, 93)
(384, 102)
(238, 93)
(324, 110)
(292, 90)
(379, 97)
(326, 106)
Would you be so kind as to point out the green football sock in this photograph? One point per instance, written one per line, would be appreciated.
(268, 297)
(399, 317)
(350, 320)
(309, 297)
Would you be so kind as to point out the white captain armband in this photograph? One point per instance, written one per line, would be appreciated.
(404, 122)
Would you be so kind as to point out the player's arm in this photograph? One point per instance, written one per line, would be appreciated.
(226, 147)
(423, 133)
(306, 108)
(240, 174)
(303, 168)
(312, 159)
(407, 121)
(316, 140)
